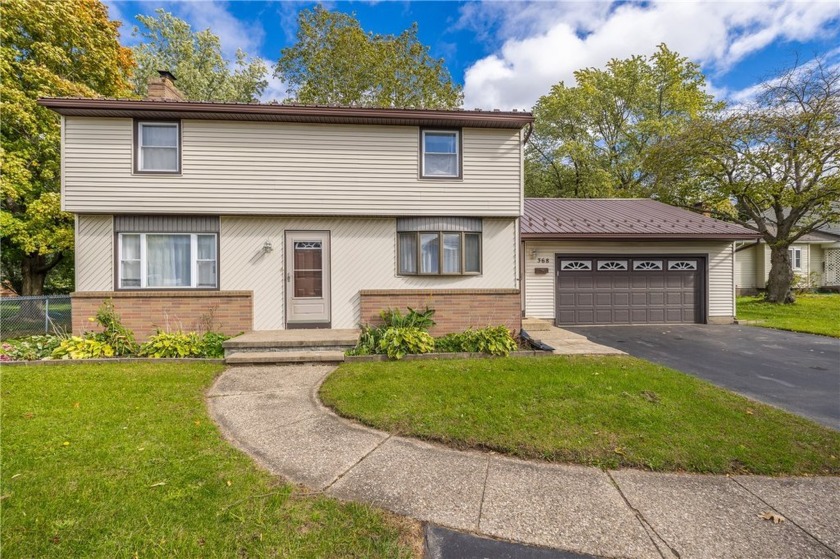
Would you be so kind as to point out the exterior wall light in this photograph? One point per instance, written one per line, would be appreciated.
(267, 247)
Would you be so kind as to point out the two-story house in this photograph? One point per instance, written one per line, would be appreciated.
(265, 216)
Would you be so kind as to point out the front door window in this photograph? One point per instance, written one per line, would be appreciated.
(309, 269)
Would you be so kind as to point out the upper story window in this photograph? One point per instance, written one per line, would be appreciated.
(795, 258)
(168, 261)
(158, 147)
(440, 153)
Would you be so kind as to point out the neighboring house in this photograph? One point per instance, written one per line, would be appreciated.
(264, 216)
(815, 259)
(626, 261)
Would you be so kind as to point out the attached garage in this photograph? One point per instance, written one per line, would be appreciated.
(628, 261)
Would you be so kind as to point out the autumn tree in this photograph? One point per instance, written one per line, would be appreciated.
(335, 62)
(777, 158)
(195, 58)
(594, 138)
(47, 48)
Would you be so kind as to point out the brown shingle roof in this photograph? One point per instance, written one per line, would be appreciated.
(626, 218)
(321, 114)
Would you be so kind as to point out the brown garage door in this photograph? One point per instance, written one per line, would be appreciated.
(629, 289)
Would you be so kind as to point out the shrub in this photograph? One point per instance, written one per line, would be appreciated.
(90, 346)
(398, 342)
(120, 338)
(421, 320)
(29, 348)
(173, 344)
(495, 340)
(368, 343)
(211, 344)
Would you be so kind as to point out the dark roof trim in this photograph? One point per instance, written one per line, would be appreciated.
(285, 113)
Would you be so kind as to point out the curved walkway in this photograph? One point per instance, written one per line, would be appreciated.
(273, 413)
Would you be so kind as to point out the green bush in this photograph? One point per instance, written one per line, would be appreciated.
(396, 343)
(29, 348)
(495, 340)
(211, 345)
(120, 338)
(172, 344)
(421, 320)
(90, 346)
(368, 343)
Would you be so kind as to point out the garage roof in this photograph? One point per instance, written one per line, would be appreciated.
(621, 218)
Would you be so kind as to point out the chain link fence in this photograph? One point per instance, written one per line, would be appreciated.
(26, 316)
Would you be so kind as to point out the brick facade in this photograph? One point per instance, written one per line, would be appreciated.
(144, 312)
(455, 309)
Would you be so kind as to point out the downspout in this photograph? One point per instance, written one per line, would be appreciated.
(747, 246)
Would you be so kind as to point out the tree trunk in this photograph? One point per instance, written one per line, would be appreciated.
(33, 269)
(780, 282)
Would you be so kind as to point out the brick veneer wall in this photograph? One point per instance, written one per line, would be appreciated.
(455, 309)
(144, 312)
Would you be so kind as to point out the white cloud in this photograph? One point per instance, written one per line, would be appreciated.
(276, 89)
(233, 33)
(544, 43)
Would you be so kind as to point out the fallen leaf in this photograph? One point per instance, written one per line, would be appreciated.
(66, 443)
(769, 515)
(16, 475)
(76, 405)
(197, 423)
(229, 483)
(749, 411)
(158, 484)
(618, 450)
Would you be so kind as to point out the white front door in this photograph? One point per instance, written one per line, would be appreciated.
(307, 279)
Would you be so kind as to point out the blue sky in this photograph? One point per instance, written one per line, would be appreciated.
(507, 54)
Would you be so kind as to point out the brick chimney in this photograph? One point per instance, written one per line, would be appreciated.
(163, 88)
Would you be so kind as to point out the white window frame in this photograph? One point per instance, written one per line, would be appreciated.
(144, 262)
(795, 258)
(138, 142)
(463, 249)
(457, 154)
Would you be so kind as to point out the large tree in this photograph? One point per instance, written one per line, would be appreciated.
(777, 158)
(47, 48)
(594, 138)
(196, 60)
(335, 62)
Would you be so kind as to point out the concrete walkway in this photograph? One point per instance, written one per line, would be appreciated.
(273, 413)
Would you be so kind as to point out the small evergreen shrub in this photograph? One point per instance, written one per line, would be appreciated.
(396, 343)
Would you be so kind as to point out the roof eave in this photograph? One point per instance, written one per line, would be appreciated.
(637, 237)
(294, 113)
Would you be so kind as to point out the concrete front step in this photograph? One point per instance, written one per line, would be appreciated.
(536, 325)
(292, 340)
(279, 357)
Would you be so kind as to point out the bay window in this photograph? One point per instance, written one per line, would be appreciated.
(439, 253)
(168, 261)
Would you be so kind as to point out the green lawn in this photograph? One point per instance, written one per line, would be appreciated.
(815, 314)
(605, 411)
(122, 460)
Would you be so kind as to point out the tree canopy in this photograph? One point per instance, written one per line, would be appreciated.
(777, 158)
(334, 61)
(67, 48)
(594, 138)
(196, 60)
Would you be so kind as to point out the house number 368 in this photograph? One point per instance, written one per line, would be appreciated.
(542, 260)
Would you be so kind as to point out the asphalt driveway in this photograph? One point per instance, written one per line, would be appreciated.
(797, 372)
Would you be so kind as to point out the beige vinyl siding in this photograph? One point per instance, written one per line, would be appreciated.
(289, 169)
(745, 268)
(763, 267)
(94, 253)
(363, 256)
(539, 289)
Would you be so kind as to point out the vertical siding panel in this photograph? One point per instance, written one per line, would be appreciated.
(539, 289)
(94, 253)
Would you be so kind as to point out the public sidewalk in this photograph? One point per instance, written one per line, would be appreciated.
(273, 413)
